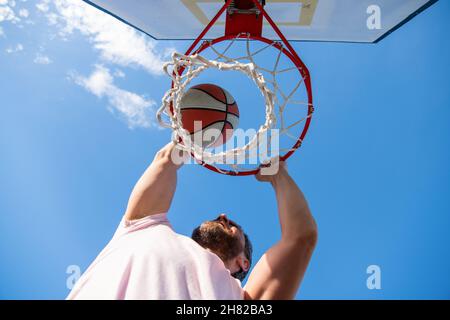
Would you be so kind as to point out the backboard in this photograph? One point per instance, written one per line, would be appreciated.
(365, 21)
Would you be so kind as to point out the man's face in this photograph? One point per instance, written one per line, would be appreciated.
(222, 236)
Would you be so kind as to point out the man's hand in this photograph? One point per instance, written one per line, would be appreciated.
(279, 168)
(154, 191)
(170, 155)
(278, 273)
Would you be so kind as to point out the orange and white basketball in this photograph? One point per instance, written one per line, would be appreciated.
(215, 108)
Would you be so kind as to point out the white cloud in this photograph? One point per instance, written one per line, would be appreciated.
(16, 48)
(2, 33)
(135, 109)
(119, 74)
(52, 18)
(24, 13)
(7, 13)
(116, 42)
(43, 6)
(42, 59)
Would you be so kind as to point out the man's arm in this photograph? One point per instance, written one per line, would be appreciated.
(154, 191)
(278, 273)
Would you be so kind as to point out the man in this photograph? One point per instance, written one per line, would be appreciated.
(146, 259)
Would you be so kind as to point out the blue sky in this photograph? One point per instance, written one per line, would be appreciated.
(77, 130)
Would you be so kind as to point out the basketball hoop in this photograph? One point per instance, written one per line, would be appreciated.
(247, 21)
(243, 31)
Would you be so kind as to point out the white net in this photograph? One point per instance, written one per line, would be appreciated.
(281, 82)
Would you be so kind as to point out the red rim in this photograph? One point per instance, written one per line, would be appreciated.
(287, 50)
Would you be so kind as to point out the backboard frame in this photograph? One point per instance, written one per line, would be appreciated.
(401, 23)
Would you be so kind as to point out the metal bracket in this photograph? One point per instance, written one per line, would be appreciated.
(232, 9)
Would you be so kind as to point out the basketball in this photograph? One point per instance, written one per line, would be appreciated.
(215, 111)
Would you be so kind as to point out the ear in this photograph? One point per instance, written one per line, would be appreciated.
(243, 263)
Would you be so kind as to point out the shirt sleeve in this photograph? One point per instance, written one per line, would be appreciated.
(237, 288)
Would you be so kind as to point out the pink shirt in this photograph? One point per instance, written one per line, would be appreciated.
(146, 259)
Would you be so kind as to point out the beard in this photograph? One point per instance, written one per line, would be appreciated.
(213, 236)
